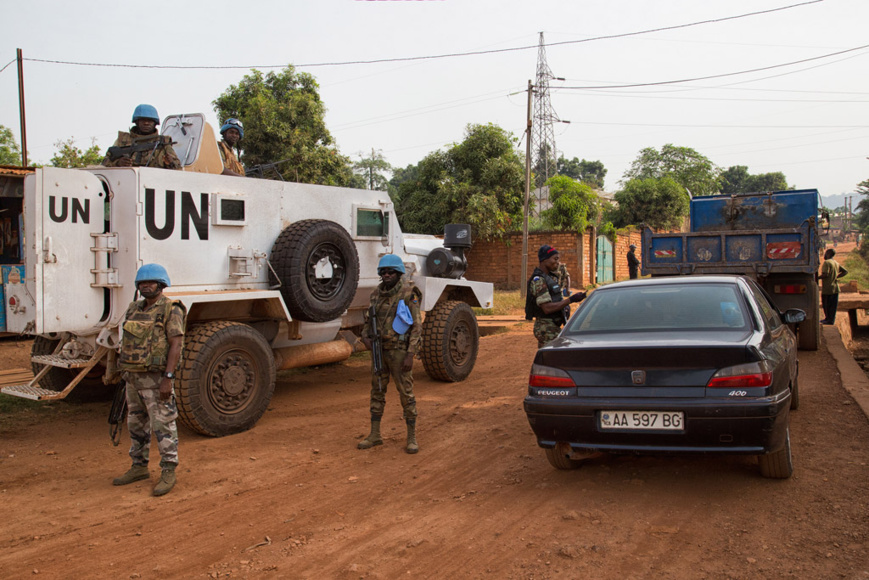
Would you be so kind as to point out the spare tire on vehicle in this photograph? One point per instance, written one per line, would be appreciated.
(318, 269)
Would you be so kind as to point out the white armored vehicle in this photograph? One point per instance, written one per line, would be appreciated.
(274, 275)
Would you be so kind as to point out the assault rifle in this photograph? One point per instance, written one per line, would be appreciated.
(116, 152)
(260, 170)
(376, 345)
(118, 413)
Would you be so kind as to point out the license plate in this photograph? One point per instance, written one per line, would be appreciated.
(642, 420)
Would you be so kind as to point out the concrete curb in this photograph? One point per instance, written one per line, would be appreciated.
(853, 378)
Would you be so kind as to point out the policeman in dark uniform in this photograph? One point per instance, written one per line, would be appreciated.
(633, 262)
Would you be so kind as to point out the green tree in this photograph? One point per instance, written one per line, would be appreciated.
(658, 203)
(283, 119)
(590, 172)
(371, 170)
(861, 212)
(70, 156)
(683, 165)
(737, 179)
(574, 204)
(10, 152)
(479, 181)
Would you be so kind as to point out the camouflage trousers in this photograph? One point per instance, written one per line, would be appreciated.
(392, 361)
(545, 330)
(147, 414)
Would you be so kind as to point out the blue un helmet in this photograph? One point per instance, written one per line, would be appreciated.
(146, 112)
(233, 124)
(392, 262)
(153, 273)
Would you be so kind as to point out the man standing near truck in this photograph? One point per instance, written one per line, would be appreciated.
(150, 351)
(545, 301)
(831, 271)
(395, 302)
(143, 146)
(633, 262)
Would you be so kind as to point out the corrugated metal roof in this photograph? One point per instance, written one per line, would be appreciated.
(12, 170)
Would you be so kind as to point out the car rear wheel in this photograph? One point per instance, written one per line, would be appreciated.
(795, 394)
(560, 457)
(778, 465)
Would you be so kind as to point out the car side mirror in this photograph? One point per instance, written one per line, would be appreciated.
(793, 316)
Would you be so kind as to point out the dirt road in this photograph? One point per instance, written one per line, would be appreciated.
(293, 498)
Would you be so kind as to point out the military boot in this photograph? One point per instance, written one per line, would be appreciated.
(135, 473)
(166, 483)
(373, 438)
(412, 446)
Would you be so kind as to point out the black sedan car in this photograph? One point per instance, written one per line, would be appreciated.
(695, 364)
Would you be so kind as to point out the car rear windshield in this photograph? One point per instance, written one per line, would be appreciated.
(661, 307)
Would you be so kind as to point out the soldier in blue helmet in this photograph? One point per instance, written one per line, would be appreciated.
(399, 326)
(150, 352)
(232, 132)
(143, 146)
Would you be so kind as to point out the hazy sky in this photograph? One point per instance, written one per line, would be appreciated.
(808, 120)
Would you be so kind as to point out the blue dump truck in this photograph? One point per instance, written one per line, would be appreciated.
(771, 237)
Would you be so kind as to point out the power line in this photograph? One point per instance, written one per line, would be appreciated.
(430, 57)
(718, 76)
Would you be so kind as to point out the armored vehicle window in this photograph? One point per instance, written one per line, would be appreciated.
(372, 223)
(232, 209)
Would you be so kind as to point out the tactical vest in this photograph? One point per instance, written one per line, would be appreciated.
(145, 346)
(533, 310)
(390, 338)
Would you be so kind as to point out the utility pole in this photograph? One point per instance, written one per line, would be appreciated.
(21, 108)
(523, 288)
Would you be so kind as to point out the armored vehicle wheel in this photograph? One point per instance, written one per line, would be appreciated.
(91, 388)
(318, 269)
(450, 339)
(226, 380)
(809, 331)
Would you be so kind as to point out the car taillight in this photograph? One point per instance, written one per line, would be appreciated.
(542, 376)
(756, 374)
(789, 289)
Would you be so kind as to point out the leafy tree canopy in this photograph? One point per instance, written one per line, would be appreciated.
(590, 172)
(683, 165)
(283, 119)
(658, 203)
(737, 179)
(480, 181)
(10, 152)
(70, 156)
(370, 170)
(574, 204)
(861, 219)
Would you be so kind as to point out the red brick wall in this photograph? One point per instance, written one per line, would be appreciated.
(500, 261)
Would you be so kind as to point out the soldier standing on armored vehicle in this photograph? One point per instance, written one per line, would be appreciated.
(150, 351)
(232, 132)
(395, 303)
(143, 146)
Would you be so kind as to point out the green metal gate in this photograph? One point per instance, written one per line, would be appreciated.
(604, 260)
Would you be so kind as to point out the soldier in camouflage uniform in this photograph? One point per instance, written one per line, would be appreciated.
(232, 132)
(399, 324)
(548, 299)
(150, 351)
(144, 131)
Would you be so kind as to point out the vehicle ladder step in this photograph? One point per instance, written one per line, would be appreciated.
(54, 360)
(29, 392)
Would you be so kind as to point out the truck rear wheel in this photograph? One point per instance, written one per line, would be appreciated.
(809, 331)
(226, 380)
(318, 268)
(450, 340)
